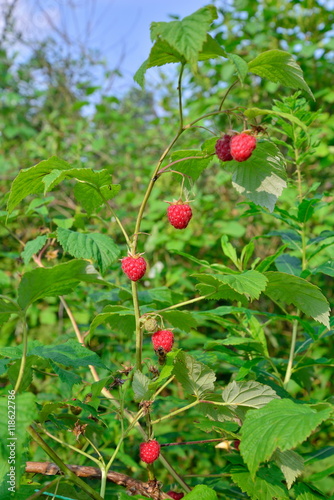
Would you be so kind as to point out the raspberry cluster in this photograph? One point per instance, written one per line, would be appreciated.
(238, 147)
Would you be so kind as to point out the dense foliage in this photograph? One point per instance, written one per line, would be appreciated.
(241, 405)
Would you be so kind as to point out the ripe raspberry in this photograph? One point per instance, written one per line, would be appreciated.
(176, 496)
(236, 444)
(149, 451)
(179, 214)
(164, 339)
(134, 267)
(223, 148)
(242, 146)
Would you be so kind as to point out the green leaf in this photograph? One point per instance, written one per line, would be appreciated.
(249, 283)
(288, 264)
(25, 412)
(280, 424)
(140, 386)
(240, 342)
(68, 377)
(90, 199)
(97, 178)
(253, 112)
(279, 67)
(229, 250)
(215, 289)
(211, 49)
(180, 319)
(262, 177)
(8, 307)
(120, 319)
(192, 167)
(287, 289)
(250, 394)
(32, 247)
(240, 65)
(195, 377)
(30, 180)
(188, 35)
(327, 268)
(306, 209)
(266, 485)
(291, 465)
(201, 492)
(98, 247)
(291, 238)
(58, 280)
(71, 353)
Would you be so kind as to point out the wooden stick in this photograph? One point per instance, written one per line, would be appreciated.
(133, 486)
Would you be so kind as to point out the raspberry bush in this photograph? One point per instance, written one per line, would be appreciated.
(224, 412)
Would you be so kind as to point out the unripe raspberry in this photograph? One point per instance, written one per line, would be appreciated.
(242, 146)
(176, 496)
(149, 451)
(164, 339)
(223, 148)
(179, 214)
(150, 324)
(134, 267)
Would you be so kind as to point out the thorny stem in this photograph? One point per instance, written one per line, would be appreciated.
(203, 441)
(139, 331)
(292, 352)
(67, 472)
(181, 304)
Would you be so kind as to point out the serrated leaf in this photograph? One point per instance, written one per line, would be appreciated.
(287, 289)
(306, 209)
(120, 319)
(253, 112)
(180, 319)
(279, 67)
(249, 283)
(71, 353)
(250, 394)
(262, 177)
(32, 247)
(97, 178)
(266, 485)
(30, 180)
(192, 167)
(188, 35)
(291, 465)
(288, 264)
(98, 247)
(240, 65)
(68, 377)
(140, 386)
(195, 377)
(290, 237)
(90, 199)
(58, 280)
(201, 492)
(280, 424)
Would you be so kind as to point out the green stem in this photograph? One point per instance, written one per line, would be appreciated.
(67, 472)
(77, 450)
(176, 412)
(24, 355)
(292, 353)
(179, 90)
(138, 331)
(181, 304)
(227, 93)
(104, 475)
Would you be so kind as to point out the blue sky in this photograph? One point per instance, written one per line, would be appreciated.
(118, 29)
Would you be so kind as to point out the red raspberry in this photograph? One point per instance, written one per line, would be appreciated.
(242, 146)
(149, 451)
(134, 267)
(164, 339)
(179, 214)
(236, 444)
(223, 148)
(176, 496)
